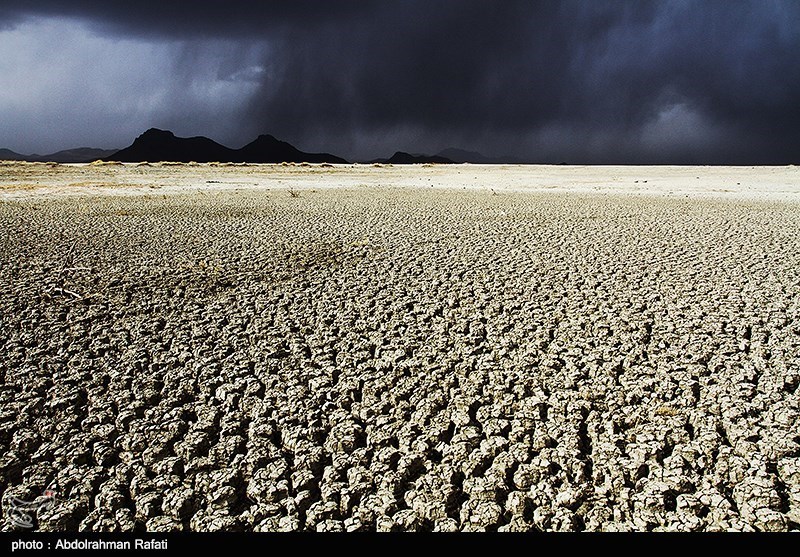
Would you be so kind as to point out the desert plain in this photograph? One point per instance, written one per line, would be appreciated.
(428, 347)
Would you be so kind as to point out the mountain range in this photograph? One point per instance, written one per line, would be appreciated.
(401, 157)
(159, 145)
(81, 154)
(156, 145)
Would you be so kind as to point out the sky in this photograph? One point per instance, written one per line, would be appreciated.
(584, 82)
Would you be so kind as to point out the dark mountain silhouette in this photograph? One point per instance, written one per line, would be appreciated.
(9, 155)
(81, 154)
(407, 158)
(159, 145)
(473, 157)
(156, 145)
(447, 156)
(267, 149)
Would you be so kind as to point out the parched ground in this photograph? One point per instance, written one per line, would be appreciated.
(400, 358)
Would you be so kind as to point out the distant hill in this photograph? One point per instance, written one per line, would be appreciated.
(9, 155)
(267, 149)
(401, 157)
(405, 158)
(81, 154)
(159, 145)
(447, 156)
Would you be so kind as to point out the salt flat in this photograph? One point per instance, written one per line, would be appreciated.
(730, 182)
(401, 348)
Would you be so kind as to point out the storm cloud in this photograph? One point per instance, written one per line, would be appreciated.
(703, 82)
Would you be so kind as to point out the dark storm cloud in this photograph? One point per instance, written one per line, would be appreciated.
(188, 19)
(696, 82)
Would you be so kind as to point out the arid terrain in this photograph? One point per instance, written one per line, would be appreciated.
(268, 347)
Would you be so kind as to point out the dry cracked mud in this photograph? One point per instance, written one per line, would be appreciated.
(401, 359)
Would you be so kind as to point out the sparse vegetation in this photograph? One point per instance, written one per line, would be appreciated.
(666, 410)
